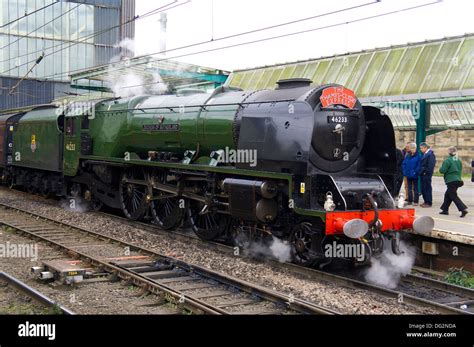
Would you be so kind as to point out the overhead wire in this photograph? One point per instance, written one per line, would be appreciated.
(42, 26)
(131, 60)
(42, 56)
(287, 34)
(28, 14)
(48, 77)
(93, 35)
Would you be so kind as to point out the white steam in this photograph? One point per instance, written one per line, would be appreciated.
(127, 44)
(124, 82)
(77, 205)
(387, 270)
(127, 85)
(274, 249)
(280, 250)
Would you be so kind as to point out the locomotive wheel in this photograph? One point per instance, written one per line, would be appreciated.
(10, 182)
(30, 188)
(166, 212)
(95, 204)
(241, 235)
(240, 238)
(44, 187)
(44, 191)
(301, 239)
(132, 195)
(208, 225)
(75, 191)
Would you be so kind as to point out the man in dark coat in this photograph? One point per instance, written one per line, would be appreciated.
(405, 151)
(411, 170)
(428, 162)
(399, 174)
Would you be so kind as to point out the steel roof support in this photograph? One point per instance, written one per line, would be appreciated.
(421, 116)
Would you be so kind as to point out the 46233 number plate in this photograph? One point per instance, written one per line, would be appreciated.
(338, 119)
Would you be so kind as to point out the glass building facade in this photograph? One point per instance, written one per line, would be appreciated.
(72, 35)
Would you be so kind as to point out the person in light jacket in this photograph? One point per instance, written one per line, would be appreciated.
(452, 169)
(411, 170)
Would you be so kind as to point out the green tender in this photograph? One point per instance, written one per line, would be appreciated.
(37, 141)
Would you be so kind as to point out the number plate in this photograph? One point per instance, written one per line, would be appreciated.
(338, 119)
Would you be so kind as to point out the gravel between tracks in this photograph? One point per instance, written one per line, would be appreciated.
(346, 300)
(13, 301)
(91, 298)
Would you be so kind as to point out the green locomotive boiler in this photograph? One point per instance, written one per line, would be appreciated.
(308, 165)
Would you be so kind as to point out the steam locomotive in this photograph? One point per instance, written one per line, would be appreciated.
(307, 165)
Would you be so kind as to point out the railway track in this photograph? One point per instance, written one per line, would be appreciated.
(195, 289)
(444, 293)
(33, 293)
(413, 289)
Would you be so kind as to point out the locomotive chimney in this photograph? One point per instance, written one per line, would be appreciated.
(293, 83)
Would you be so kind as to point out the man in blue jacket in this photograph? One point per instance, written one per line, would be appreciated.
(428, 162)
(411, 170)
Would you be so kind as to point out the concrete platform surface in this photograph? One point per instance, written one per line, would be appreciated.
(451, 227)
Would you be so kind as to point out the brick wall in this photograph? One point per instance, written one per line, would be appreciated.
(462, 139)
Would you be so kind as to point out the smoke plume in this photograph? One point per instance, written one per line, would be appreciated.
(124, 82)
(272, 249)
(75, 204)
(387, 270)
(280, 250)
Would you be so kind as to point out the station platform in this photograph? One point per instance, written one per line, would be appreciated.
(452, 227)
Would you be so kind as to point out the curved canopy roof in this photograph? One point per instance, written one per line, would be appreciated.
(437, 68)
(437, 71)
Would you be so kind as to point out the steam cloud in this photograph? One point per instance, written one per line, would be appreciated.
(280, 250)
(387, 270)
(126, 83)
(77, 205)
(276, 249)
(127, 44)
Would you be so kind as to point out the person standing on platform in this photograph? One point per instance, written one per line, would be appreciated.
(428, 162)
(452, 169)
(405, 151)
(399, 174)
(472, 171)
(411, 170)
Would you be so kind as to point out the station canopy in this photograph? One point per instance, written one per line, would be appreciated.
(394, 78)
(152, 74)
